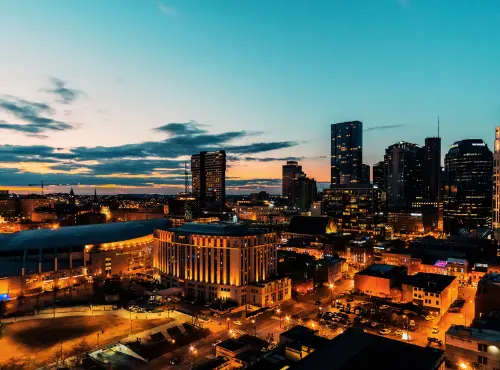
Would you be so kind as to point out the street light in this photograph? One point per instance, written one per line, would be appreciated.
(278, 311)
(287, 319)
(254, 328)
(193, 353)
(228, 323)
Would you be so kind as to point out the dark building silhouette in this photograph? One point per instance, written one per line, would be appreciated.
(301, 191)
(431, 180)
(289, 171)
(404, 174)
(346, 153)
(380, 175)
(468, 185)
(365, 174)
(209, 179)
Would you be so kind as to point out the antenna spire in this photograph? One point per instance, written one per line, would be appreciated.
(438, 126)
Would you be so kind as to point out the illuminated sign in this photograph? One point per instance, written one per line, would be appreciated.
(484, 265)
(478, 144)
(454, 146)
(416, 214)
(440, 263)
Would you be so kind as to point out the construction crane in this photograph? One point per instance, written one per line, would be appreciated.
(44, 184)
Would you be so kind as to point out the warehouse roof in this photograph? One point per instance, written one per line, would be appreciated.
(81, 235)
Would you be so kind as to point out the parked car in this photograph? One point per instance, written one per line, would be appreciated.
(384, 307)
(412, 325)
(438, 341)
(237, 322)
(374, 324)
(429, 318)
(385, 331)
(398, 332)
(435, 329)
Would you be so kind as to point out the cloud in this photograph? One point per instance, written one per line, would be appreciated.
(33, 113)
(166, 9)
(64, 94)
(380, 128)
(188, 128)
(275, 159)
(404, 3)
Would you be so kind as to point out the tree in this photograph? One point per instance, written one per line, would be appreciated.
(78, 352)
(14, 363)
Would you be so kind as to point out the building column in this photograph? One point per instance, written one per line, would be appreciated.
(40, 261)
(55, 259)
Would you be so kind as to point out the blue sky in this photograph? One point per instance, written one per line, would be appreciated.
(277, 72)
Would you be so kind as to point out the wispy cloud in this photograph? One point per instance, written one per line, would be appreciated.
(381, 128)
(64, 94)
(166, 9)
(404, 3)
(33, 114)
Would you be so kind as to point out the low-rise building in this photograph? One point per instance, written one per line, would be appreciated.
(380, 280)
(472, 348)
(434, 292)
(487, 295)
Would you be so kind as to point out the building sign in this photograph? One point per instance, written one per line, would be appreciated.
(478, 144)
(440, 263)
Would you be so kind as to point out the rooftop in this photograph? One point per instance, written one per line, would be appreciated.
(492, 277)
(431, 282)
(232, 345)
(306, 225)
(298, 332)
(81, 235)
(217, 229)
(468, 332)
(355, 349)
(380, 270)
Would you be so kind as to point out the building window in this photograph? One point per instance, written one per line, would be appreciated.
(481, 347)
(482, 360)
(437, 303)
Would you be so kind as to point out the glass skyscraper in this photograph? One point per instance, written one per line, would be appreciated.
(346, 153)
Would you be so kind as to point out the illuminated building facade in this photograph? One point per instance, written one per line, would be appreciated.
(468, 185)
(209, 179)
(472, 348)
(496, 180)
(301, 191)
(32, 261)
(346, 153)
(354, 209)
(365, 174)
(221, 261)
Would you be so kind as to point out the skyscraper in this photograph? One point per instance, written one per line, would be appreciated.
(289, 171)
(431, 179)
(365, 174)
(404, 174)
(380, 175)
(346, 152)
(468, 185)
(301, 191)
(209, 179)
(496, 180)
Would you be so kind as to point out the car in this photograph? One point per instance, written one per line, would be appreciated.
(398, 332)
(364, 321)
(438, 341)
(214, 344)
(374, 324)
(454, 310)
(237, 322)
(317, 303)
(435, 329)
(176, 360)
(429, 318)
(385, 331)
(384, 307)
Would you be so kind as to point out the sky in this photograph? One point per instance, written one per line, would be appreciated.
(118, 94)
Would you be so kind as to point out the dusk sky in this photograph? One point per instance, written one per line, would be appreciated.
(118, 94)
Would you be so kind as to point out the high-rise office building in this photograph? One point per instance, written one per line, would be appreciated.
(365, 174)
(496, 180)
(209, 179)
(404, 174)
(346, 153)
(289, 170)
(301, 191)
(468, 185)
(380, 175)
(431, 179)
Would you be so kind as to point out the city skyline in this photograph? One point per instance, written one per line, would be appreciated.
(128, 101)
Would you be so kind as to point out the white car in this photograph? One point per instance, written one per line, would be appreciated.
(385, 331)
(398, 332)
(384, 307)
(435, 329)
(237, 322)
(429, 318)
(216, 342)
